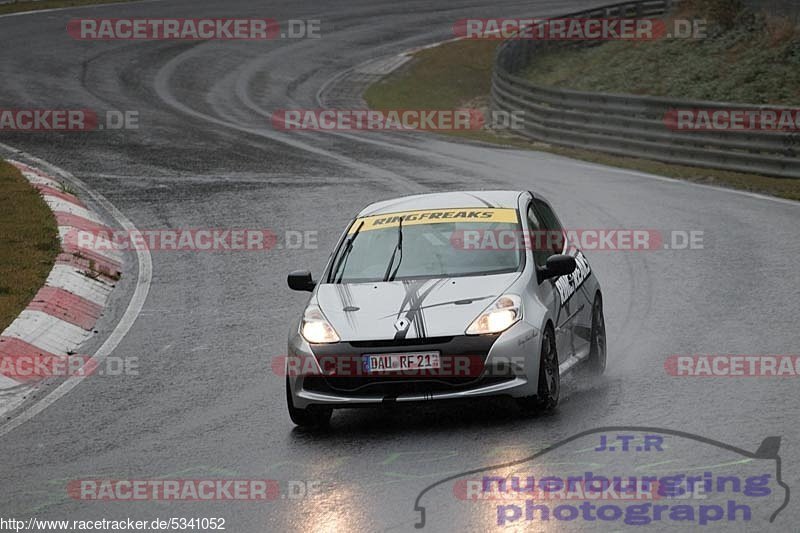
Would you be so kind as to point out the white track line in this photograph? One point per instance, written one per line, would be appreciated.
(37, 11)
(135, 306)
(646, 175)
(163, 91)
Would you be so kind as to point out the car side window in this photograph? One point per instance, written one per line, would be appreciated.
(536, 228)
(554, 233)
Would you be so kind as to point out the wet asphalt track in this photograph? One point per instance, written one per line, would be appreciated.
(206, 403)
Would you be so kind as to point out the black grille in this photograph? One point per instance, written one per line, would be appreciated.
(388, 387)
(476, 348)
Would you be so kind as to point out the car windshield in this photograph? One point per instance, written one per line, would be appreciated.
(434, 244)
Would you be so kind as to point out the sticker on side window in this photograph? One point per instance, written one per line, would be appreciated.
(567, 285)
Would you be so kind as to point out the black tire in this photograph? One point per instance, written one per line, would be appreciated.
(314, 416)
(597, 352)
(549, 385)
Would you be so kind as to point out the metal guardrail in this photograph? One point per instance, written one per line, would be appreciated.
(631, 125)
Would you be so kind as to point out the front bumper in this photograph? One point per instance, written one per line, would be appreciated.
(499, 365)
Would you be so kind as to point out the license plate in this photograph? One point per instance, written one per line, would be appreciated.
(394, 362)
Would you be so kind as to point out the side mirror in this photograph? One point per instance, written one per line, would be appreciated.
(300, 280)
(557, 266)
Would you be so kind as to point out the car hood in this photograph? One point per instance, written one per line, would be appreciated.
(432, 307)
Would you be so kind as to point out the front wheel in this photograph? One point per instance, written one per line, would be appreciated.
(313, 416)
(549, 384)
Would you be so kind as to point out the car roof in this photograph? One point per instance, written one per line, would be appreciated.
(444, 200)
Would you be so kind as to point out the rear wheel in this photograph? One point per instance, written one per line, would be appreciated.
(549, 384)
(597, 351)
(312, 416)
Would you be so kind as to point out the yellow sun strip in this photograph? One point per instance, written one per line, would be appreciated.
(437, 216)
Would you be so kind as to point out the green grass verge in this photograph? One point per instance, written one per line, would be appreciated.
(458, 74)
(439, 78)
(50, 4)
(453, 75)
(28, 243)
(755, 62)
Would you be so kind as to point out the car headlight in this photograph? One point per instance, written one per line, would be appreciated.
(315, 328)
(501, 315)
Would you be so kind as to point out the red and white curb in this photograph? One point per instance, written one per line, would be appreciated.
(62, 315)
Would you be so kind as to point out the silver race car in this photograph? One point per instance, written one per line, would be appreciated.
(445, 296)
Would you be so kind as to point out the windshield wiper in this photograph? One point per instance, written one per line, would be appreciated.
(398, 248)
(342, 262)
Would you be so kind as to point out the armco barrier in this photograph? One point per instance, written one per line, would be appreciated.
(630, 125)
